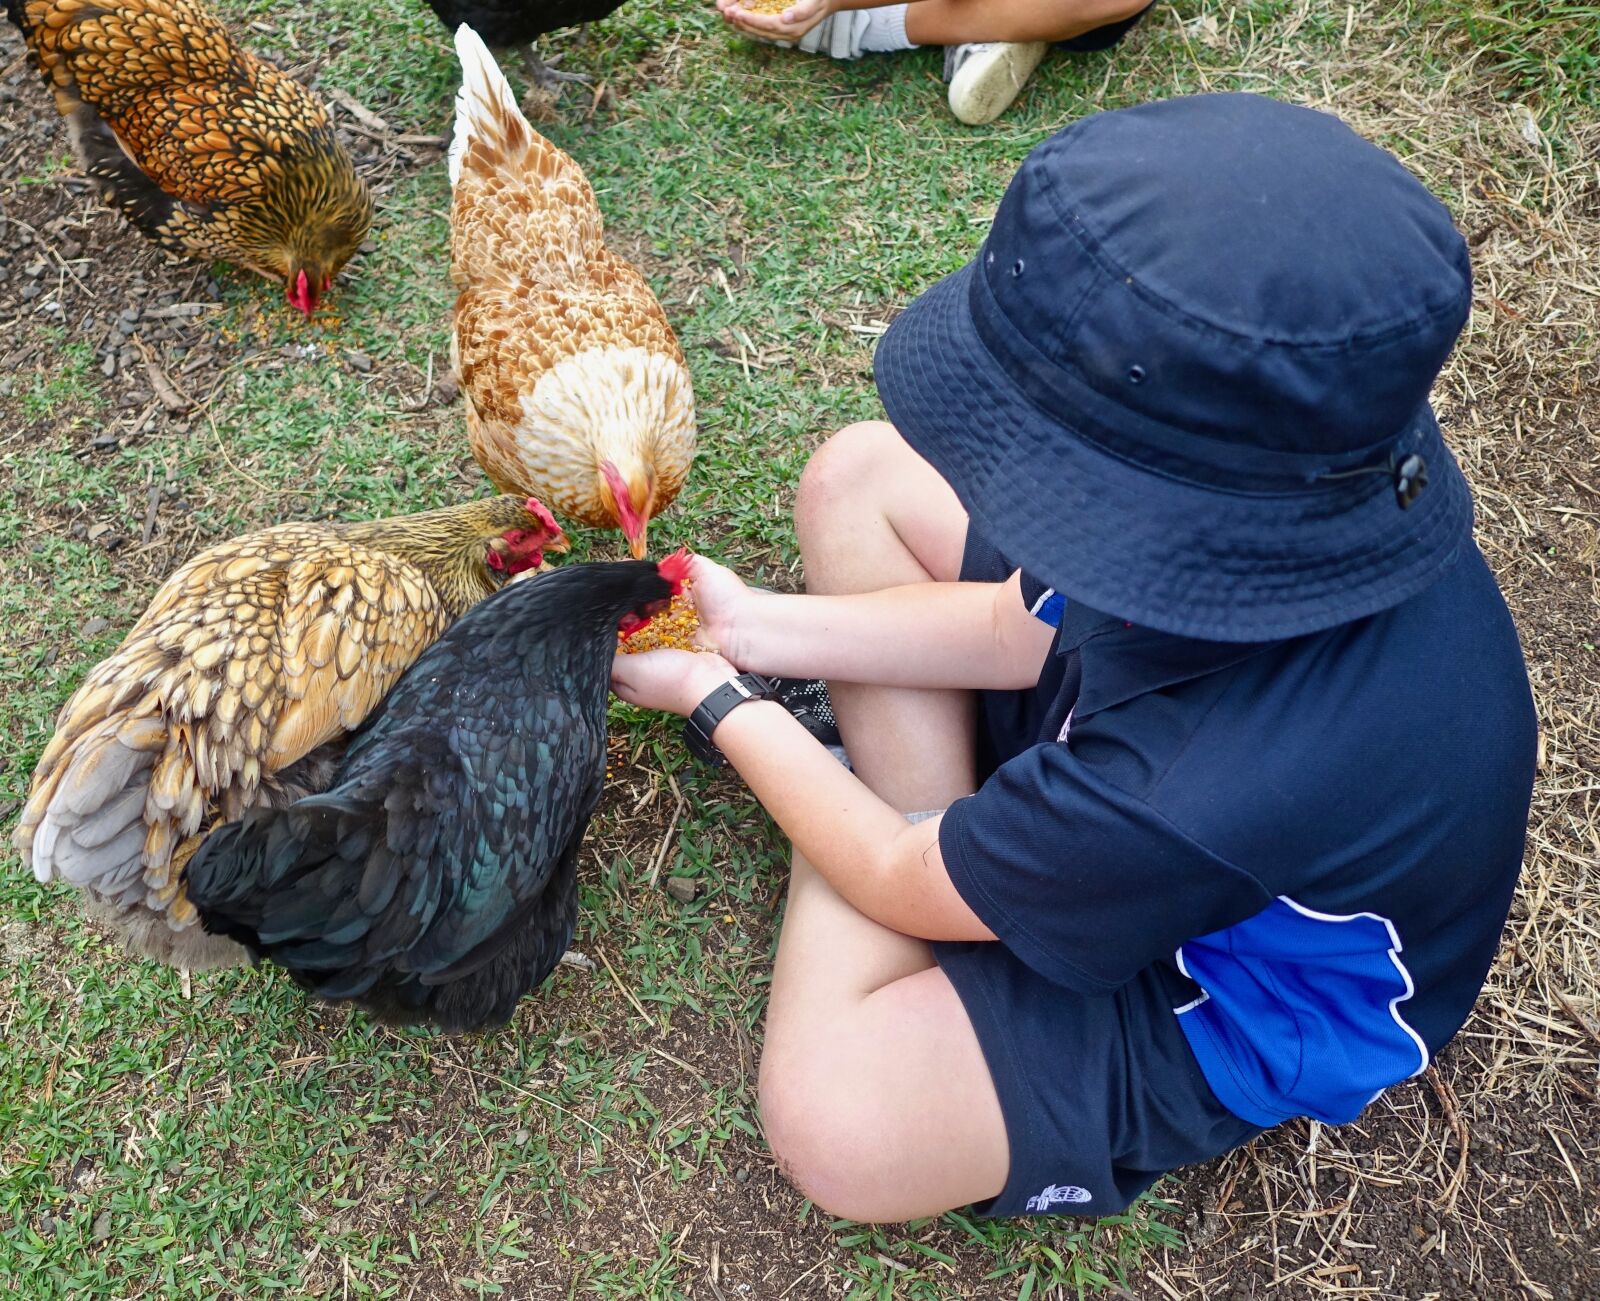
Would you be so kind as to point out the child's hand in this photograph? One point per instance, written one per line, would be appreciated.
(720, 599)
(672, 680)
(790, 25)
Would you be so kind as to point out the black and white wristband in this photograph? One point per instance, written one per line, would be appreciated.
(699, 726)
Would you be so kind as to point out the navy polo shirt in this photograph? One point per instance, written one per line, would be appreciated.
(1315, 841)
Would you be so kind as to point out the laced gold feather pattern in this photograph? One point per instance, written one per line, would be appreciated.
(208, 150)
(249, 661)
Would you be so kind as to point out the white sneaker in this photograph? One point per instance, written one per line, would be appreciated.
(985, 79)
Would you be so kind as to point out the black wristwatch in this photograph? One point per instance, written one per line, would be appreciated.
(699, 726)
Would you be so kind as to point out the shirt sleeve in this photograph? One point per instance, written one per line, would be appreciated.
(1043, 601)
(1083, 882)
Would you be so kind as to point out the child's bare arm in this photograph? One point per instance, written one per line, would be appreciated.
(962, 635)
(885, 867)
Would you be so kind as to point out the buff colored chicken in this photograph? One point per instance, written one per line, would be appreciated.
(237, 688)
(575, 386)
(204, 148)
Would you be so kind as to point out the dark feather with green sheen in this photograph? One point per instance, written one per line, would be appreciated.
(435, 880)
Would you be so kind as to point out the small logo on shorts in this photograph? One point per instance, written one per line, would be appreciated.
(1058, 1195)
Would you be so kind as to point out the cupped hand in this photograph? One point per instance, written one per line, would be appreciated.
(790, 25)
(721, 599)
(671, 680)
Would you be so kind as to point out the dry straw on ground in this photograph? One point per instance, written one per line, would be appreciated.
(1493, 1159)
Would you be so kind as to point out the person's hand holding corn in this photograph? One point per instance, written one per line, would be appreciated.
(675, 659)
(775, 21)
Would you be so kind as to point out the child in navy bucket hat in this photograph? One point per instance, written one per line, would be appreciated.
(1192, 741)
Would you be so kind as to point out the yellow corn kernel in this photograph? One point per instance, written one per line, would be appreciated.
(673, 629)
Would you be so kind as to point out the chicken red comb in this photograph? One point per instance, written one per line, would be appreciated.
(675, 568)
(541, 512)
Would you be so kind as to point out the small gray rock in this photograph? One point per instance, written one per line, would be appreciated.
(359, 361)
(101, 1229)
(683, 888)
(94, 627)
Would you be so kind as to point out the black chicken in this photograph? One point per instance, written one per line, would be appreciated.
(436, 879)
(508, 24)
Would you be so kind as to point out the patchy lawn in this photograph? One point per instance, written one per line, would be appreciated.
(241, 1142)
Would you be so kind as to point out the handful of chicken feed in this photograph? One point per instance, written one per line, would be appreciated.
(767, 6)
(673, 629)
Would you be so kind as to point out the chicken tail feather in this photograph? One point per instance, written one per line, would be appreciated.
(277, 881)
(486, 109)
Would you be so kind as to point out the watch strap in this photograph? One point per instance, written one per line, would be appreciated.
(717, 705)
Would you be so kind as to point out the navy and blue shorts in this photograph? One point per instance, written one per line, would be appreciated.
(1101, 1094)
(1103, 38)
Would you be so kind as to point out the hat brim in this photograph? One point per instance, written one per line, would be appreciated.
(1171, 555)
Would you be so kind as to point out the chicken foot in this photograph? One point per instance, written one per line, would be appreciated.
(547, 78)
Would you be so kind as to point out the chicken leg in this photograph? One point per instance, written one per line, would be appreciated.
(547, 78)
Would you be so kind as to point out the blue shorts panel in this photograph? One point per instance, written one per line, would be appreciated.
(1101, 1095)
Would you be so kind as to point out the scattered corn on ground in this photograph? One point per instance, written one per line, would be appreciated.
(673, 630)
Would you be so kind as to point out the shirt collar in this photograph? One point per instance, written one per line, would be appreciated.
(1119, 660)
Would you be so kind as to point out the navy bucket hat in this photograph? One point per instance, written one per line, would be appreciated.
(1186, 379)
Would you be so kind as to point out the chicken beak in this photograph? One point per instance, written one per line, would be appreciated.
(631, 503)
(558, 544)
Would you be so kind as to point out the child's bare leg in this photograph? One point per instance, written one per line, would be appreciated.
(955, 22)
(874, 1092)
(872, 514)
(875, 1096)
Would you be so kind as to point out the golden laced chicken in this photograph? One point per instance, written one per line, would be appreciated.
(204, 148)
(237, 689)
(576, 389)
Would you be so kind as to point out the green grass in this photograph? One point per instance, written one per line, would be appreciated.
(244, 1142)
(1545, 53)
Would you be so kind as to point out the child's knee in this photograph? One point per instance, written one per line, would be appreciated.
(824, 1141)
(840, 477)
